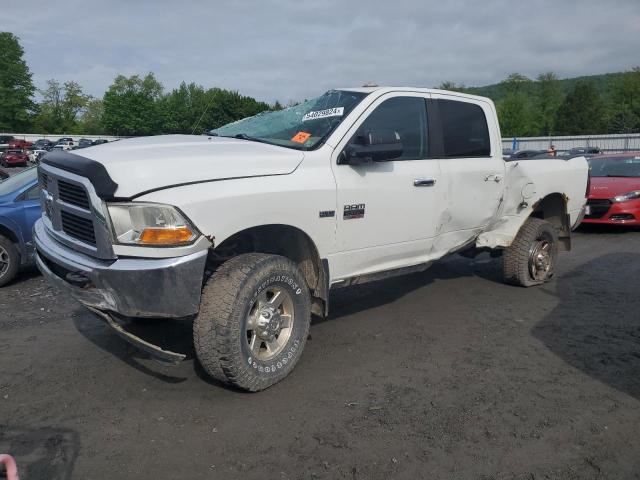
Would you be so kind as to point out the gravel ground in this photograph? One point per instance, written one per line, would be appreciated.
(447, 374)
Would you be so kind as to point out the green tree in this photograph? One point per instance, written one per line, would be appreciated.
(625, 107)
(191, 108)
(91, 118)
(183, 107)
(16, 87)
(582, 112)
(132, 106)
(515, 110)
(549, 97)
(60, 107)
(227, 106)
(452, 86)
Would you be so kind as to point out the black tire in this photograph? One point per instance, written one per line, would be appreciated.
(220, 329)
(518, 261)
(8, 253)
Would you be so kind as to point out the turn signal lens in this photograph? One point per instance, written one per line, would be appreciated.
(166, 236)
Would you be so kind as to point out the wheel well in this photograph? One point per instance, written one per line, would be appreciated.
(5, 232)
(553, 209)
(285, 240)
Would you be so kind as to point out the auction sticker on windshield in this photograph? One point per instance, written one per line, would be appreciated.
(301, 137)
(329, 112)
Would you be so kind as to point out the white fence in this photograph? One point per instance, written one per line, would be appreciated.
(32, 137)
(606, 143)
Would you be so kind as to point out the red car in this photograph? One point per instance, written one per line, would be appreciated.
(14, 158)
(614, 192)
(17, 143)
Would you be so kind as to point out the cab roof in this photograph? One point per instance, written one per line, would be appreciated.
(386, 89)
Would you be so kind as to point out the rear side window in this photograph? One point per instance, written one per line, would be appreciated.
(32, 194)
(407, 116)
(464, 129)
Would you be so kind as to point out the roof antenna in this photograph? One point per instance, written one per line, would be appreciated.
(370, 84)
(201, 116)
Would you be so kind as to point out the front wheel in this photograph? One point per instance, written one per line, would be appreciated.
(531, 258)
(253, 322)
(9, 260)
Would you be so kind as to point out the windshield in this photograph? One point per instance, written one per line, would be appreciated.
(624, 166)
(17, 181)
(302, 127)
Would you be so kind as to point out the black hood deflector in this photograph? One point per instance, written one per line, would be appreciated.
(96, 173)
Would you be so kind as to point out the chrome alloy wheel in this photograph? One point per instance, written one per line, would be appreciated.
(541, 258)
(270, 323)
(5, 261)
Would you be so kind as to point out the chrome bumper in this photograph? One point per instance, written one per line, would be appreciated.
(131, 287)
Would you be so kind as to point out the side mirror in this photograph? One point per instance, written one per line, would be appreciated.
(372, 146)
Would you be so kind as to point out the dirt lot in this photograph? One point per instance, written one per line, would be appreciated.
(446, 374)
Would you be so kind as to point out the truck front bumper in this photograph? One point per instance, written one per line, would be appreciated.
(130, 287)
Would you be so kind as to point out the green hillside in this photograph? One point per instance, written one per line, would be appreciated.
(603, 83)
(547, 105)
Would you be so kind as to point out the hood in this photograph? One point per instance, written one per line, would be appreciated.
(609, 187)
(150, 163)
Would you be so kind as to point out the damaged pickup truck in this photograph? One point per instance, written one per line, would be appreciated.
(246, 230)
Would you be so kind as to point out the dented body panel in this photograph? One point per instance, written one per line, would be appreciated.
(528, 183)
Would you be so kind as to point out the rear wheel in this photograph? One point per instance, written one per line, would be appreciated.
(531, 258)
(9, 260)
(253, 321)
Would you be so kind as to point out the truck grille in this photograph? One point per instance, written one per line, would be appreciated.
(599, 207)
(72, 213)
(78, 227)
(73, 194)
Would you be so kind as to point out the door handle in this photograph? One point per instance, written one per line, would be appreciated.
(493, 176)
(424, 182)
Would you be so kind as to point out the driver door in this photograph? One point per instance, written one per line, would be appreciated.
(387, 211)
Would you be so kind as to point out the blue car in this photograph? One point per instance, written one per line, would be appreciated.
(19, 210)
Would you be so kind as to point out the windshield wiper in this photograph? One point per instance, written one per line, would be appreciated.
(244, 136)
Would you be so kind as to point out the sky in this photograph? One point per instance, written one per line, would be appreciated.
(295, 49)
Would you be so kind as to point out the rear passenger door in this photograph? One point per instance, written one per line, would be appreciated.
(472, 167)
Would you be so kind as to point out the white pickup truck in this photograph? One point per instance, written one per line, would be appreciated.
(245, 231)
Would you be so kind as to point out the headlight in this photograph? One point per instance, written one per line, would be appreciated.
(628, 196)
(150, 224)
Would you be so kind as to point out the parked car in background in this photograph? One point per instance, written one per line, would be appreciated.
(4, 140)
(507, 152)
(19, 210)
(584, 151)
(42, 144)
(614, 192)
(19, 143)
(522, 154)
(64, 144)
(14, 158)
(100, 141)
(83, 143)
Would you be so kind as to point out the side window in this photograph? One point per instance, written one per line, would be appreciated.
(32, 194)
(407, 116)
(464, 129)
